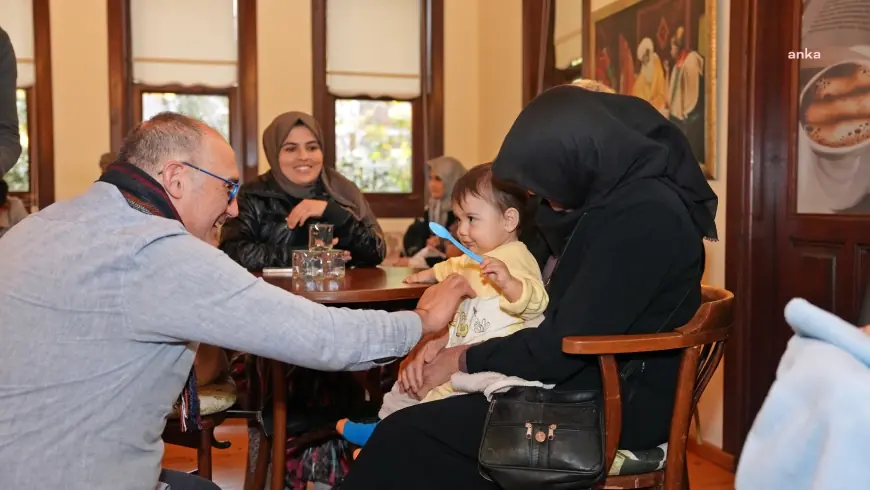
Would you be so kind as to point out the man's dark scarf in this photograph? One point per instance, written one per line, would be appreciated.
(145, 194)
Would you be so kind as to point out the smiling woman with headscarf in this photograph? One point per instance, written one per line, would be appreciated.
(625, 208)
(276, 209)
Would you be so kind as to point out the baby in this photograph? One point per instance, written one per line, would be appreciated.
(510, 291)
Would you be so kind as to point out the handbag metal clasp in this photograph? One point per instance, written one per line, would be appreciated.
(550, 434)
(528, 430)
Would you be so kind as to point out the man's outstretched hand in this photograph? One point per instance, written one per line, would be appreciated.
(440, 302)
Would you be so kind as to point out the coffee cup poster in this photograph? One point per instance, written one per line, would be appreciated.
(664, 52)
(833, 153)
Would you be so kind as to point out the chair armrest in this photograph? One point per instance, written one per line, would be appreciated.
(628, 344)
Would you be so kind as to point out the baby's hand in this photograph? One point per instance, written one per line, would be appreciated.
(496, 272)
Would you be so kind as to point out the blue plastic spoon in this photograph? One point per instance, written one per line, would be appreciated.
(443, 233)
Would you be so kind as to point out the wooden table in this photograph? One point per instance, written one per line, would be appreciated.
(366, 285)
(378, 287)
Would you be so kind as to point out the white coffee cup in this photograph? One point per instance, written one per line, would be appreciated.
(839, 170)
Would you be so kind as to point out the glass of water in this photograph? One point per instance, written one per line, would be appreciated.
(307, 263)
(333, 263)
(320, 236)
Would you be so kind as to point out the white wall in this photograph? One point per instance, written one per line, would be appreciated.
(80, 92)
(711, 406)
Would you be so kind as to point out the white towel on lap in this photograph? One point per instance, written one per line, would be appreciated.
(490, 383)
(463, 384)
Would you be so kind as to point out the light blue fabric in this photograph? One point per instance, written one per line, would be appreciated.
(813, 431)
(101, 307)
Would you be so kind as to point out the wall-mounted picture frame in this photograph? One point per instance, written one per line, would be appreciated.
(663, 51)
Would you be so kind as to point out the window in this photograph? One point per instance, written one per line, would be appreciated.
(185, 58)
(196, 57)
(19, 178)
(377, 70)
(27, 23)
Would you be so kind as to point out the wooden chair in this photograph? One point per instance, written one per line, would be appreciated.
(702, 341)
(214, 400)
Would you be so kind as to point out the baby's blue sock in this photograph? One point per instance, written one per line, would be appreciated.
(358, 433)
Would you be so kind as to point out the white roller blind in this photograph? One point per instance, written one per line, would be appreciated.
(186, 42)
(16, 18)
(568, 32)
(373, 48)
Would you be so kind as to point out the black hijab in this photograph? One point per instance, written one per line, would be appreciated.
(575, 147)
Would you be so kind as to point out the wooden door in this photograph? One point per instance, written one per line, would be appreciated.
(774, 252)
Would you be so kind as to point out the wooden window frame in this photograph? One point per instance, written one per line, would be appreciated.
(40, 120)
(125, 96)
(427, 110)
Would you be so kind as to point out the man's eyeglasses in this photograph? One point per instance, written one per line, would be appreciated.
(232, 187)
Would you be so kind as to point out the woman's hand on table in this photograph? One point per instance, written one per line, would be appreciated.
(346, 255)
(308, 208)
(411, 369)
(440, 302)
(439, 371)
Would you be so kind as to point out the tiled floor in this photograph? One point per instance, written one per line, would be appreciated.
(229, 464)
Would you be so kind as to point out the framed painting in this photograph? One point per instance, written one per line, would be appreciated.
(663, 51)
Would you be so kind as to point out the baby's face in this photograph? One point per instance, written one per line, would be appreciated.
(481, 226)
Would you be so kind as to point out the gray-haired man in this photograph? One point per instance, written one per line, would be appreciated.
(104, 296)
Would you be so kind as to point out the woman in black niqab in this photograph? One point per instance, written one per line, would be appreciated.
(625, 209)
(574, 147)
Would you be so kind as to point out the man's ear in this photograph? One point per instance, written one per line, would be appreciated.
(511, 220)
(172, 179)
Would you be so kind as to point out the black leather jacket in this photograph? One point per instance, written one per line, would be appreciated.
(259, 236)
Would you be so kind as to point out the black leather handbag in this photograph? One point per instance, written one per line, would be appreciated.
(535, 438)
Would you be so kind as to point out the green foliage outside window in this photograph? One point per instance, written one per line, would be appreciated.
(213, 110)
(19, 177)
(373, 144)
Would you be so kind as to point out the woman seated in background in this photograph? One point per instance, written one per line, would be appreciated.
(12, 209)
(422, 247)
(276, 209)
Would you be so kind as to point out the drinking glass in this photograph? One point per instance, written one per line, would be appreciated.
(320, 236)
(333, 263)
(307, 263)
